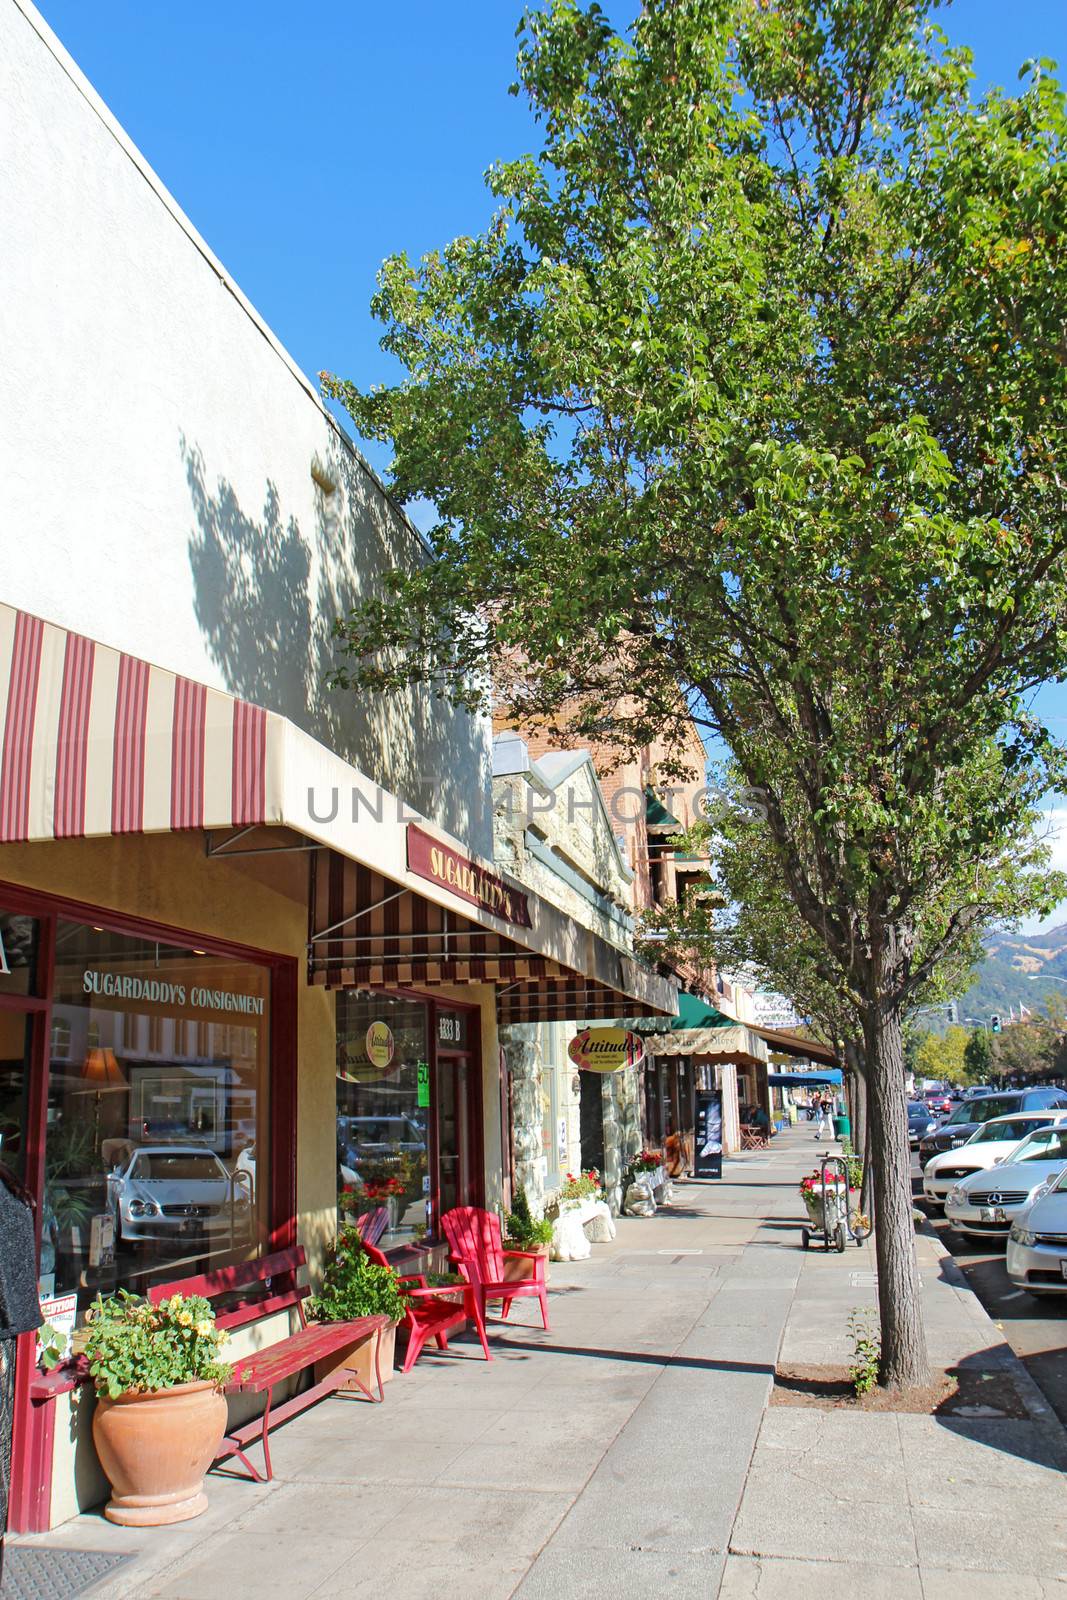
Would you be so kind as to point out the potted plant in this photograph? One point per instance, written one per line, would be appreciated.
(160, 1413)
(840, 1199)
(355, 1286)
(524, 1231)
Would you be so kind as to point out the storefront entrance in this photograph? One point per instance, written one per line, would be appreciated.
(409, 1111)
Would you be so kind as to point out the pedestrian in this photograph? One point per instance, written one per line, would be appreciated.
(825, 1126)
(20, 1312)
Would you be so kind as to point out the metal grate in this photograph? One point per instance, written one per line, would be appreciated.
(32, 1574)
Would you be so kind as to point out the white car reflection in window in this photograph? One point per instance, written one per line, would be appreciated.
(171, 1193)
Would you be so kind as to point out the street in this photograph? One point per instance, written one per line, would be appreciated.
(1035, 1330)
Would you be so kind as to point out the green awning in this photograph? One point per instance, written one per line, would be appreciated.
(656, 813)
(692, 1013)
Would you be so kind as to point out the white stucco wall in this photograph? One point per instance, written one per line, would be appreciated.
(157, 444)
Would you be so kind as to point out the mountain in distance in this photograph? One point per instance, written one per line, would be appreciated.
(1019, 969)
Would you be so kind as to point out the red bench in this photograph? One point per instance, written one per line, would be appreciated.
(254, 1290)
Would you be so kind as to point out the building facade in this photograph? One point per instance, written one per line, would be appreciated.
(254, 952)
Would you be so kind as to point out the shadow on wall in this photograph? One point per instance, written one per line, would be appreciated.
(266, 595)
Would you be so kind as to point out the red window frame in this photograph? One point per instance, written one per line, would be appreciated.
(31, 1463)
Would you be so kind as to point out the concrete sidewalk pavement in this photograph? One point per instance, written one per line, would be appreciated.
(631, 1451)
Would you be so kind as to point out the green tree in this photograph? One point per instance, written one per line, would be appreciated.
(978, 1056)
(942, 1055)
(748, 405)
(1025, 1049)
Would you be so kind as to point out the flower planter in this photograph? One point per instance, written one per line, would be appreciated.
(360, 1361)
(515, 1271)
(155, 1448)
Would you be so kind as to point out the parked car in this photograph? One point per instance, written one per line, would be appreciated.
(169, 1192)
(988, 1203)
(993, 1143)
(1037, 1244)
(920, 1120)
(972, 1114)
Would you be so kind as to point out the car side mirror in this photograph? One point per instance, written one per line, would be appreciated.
(997, 1160)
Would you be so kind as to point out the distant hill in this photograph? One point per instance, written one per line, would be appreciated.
(1004, 978)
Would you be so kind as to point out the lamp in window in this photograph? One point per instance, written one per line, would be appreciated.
(101, 1069)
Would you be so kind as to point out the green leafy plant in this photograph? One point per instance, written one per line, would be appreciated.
(522, 1230)
(355, 1286)
(866, 1349)
(52, 1345)
(133, 1346)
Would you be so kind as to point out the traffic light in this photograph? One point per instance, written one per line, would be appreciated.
(994, 1022)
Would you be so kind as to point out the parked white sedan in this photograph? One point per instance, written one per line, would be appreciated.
(993, 1143)
(987, 1203)
(1037, 1244)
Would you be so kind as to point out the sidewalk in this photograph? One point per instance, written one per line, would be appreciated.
(632, 1452)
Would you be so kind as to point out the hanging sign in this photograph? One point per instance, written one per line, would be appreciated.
(707, 1162)
(380, 1045)
(423, 1082)
(606, 1049)
(429, 858)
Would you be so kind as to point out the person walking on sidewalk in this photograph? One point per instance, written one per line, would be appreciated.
(825, 1125)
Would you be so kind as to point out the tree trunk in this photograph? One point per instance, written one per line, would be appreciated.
(904, 1361)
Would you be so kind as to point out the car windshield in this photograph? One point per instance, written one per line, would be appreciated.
(1048, 1145)
(983, 1110)
(1008, 1132)
(917, 1109)
(161, 1166)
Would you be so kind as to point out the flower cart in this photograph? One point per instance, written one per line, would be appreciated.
(832, 1204)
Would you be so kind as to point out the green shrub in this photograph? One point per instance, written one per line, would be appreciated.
(866, 1350)
(522, 1230)
(355, 1286)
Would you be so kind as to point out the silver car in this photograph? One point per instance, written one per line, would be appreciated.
(1037, 1244)
(988, 1203)
(173, 1192)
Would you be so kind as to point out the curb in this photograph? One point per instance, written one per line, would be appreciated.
(1030, 1394)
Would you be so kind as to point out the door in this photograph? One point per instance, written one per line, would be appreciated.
(458, 1144)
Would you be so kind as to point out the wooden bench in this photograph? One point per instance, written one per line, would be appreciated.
(254, 1290)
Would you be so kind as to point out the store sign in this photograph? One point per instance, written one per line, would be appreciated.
(60, 1315)
(429, 858)
(606, 1049)
(423, 1081)
(157, 991)
(380, 1046)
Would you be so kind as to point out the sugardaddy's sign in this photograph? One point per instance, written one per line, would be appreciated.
(429, 858)
(606, 1049)
(157, 991)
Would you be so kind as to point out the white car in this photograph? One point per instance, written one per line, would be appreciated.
(171, 1193)
(987, 1203)
(1037, 1244)
(990, 1145)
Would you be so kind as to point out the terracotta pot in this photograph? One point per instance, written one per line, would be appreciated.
(360, 1360)
(155, 1449)
(516, 1271)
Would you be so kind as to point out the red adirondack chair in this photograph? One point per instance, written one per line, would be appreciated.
(431, 1314)
(372, 1224)
(474, 1240)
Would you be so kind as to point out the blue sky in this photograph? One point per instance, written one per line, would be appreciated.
(306, 143)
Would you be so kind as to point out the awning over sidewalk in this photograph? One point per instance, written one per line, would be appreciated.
(737, 1043)
(94, 742)
(805, 1080)
(785, 1043)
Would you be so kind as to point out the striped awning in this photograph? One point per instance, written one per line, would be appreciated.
(95, 742)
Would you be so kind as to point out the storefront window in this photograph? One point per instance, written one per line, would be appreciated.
(155, 1145)
(383, 1111)
(15, 1033)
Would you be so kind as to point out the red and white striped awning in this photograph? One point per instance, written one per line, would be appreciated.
(95, 741)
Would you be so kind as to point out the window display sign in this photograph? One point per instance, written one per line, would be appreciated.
(379, 1044)
(606, 1049)
(423, 1083)
(708, 1159)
